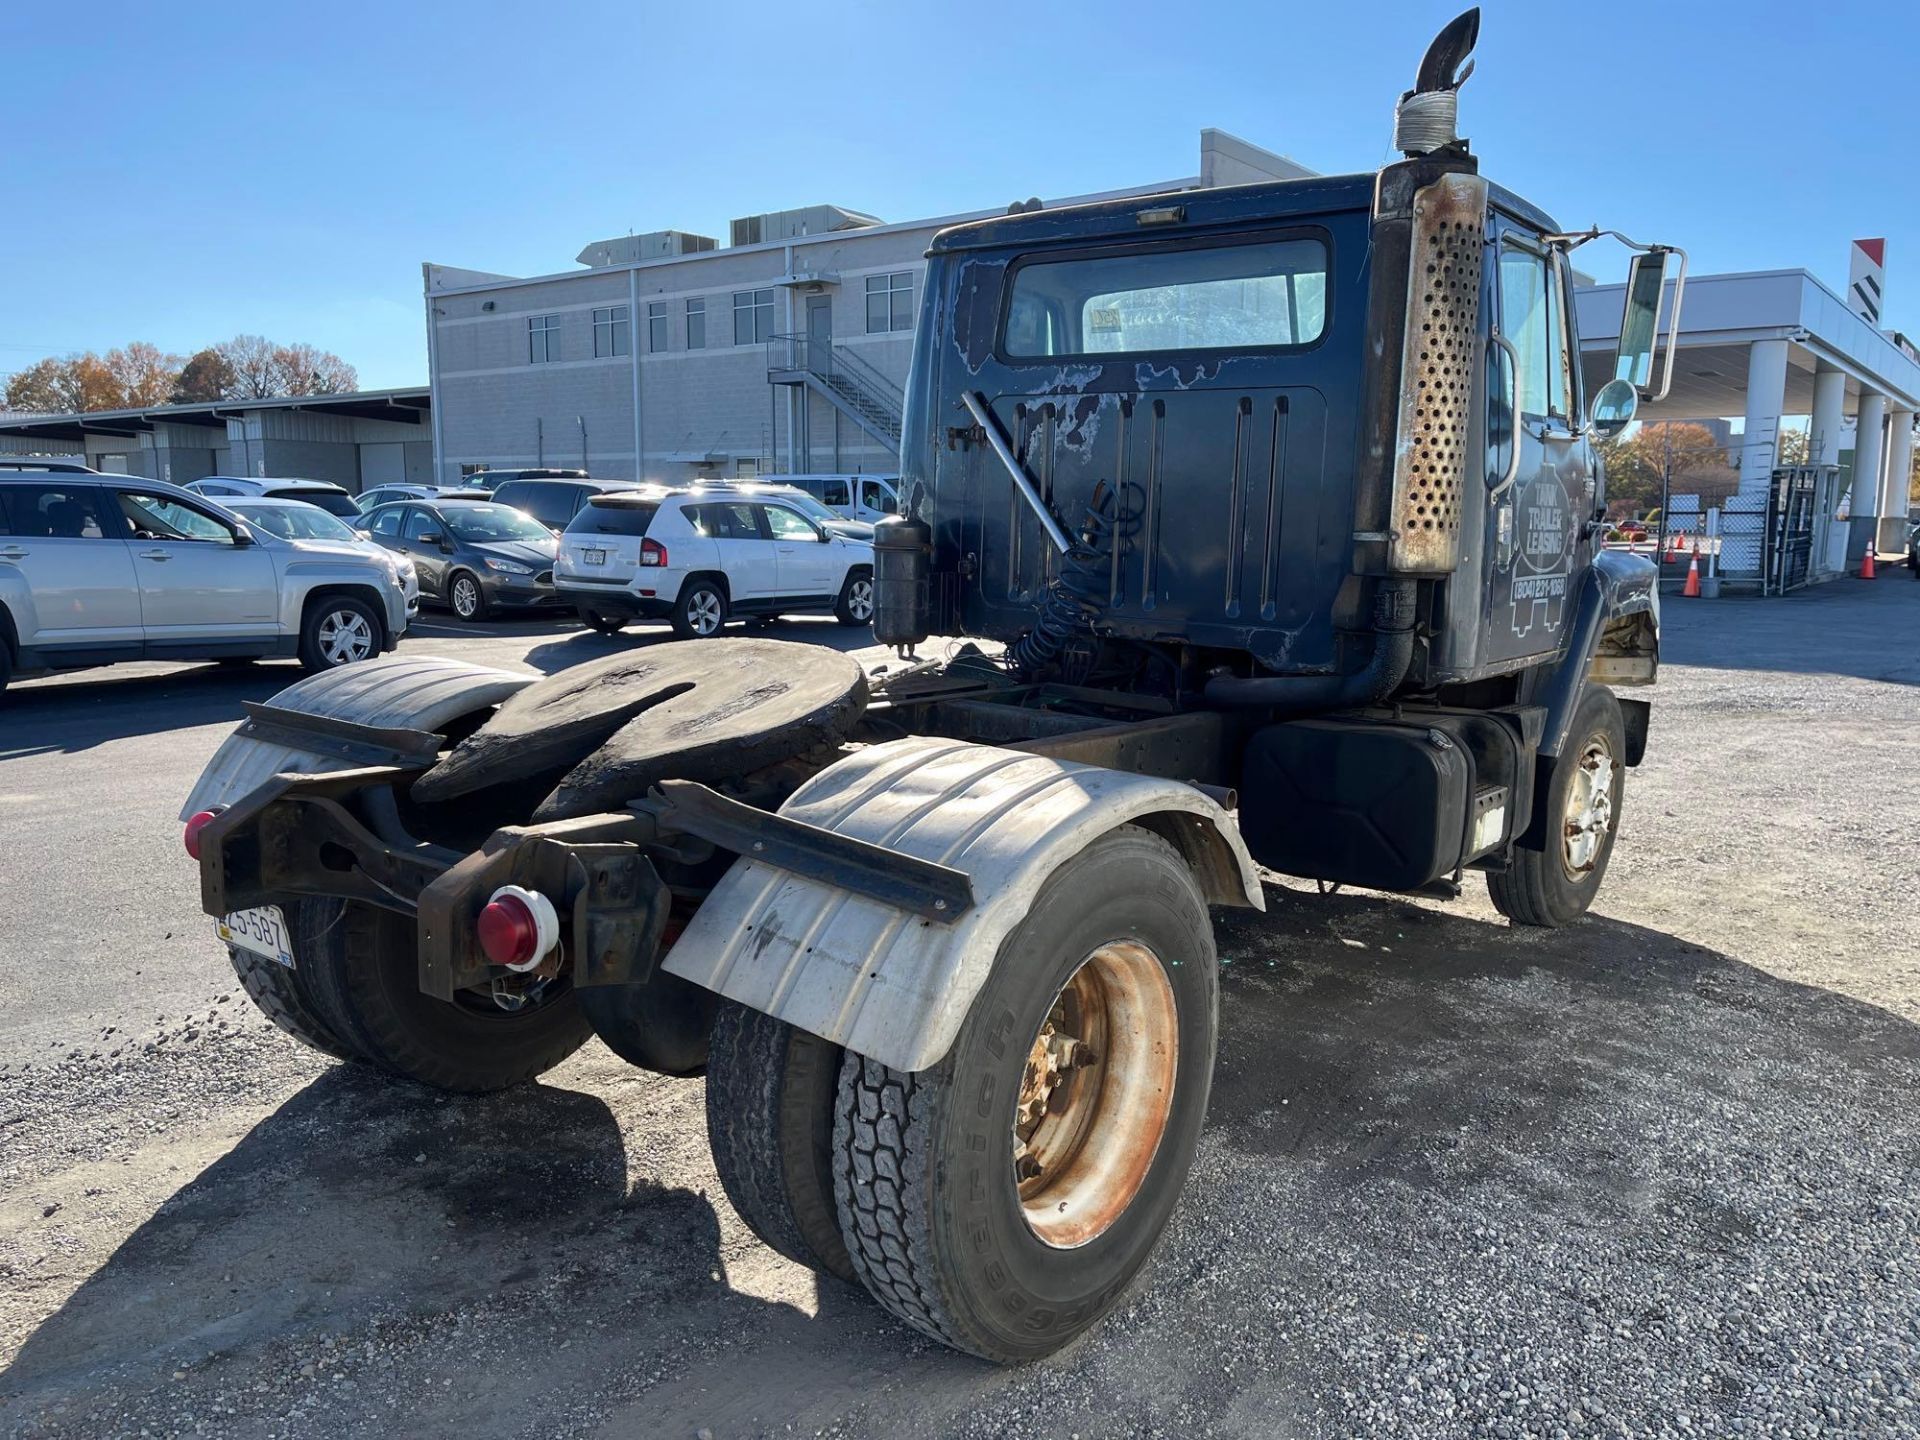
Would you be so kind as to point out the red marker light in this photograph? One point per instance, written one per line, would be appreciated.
(195, 824)
(508, 931)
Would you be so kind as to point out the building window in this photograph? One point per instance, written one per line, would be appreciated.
(746, 469)
(656, 326)
(890, 302)
(752, 316)
(543, 339)
(611, 331)
(696, 324)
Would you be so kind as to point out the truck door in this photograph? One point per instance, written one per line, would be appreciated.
(1539, 464)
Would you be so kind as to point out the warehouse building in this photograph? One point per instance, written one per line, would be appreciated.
(672, 356)
(360, 439)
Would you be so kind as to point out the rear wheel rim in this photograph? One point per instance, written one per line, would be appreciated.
(466, 598)
(860, 599)
(1589, 817)
(703, 612)
(345, 636)
(1096, 1095)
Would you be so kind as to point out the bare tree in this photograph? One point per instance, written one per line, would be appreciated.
(256, 372)
(308, 370)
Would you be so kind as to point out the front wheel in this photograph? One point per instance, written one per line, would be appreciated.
(1555, 886)
(465, 595)
(1002, 1201)
(338, 631)
(855, 605)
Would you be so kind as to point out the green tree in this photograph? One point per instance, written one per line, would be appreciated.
(1637, 466)
(206, 376)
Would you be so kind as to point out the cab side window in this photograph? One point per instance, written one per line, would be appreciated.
(835, 492)
(56, 512)
(1533, 319)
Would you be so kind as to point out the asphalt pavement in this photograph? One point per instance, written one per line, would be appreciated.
(1650, 1175)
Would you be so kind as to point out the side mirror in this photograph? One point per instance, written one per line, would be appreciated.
(1640, 325)
(242, 535)
(822, 536)
(433, 537)
(1613, 408)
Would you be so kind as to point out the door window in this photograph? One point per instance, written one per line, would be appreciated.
(789, 524)
(836, 492)
(159, 517)
(1533, 319)
(420, 524)
(732, 521)
(876, 495)
(54, 512)
(386, 523)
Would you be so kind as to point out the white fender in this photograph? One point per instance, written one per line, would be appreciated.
(414, 693)
(882, 981)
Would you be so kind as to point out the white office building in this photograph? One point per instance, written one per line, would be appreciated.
(671, 356)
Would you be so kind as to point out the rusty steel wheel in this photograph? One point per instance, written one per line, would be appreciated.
(1003, 1200)
(1096, 1094)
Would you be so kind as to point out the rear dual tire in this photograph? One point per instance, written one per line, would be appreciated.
(354, 994)
(936, 1214)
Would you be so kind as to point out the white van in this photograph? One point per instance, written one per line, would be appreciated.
(858, 497)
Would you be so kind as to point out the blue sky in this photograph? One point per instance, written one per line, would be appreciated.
(182, 173)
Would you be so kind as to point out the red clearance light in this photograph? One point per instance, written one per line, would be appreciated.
(508, 931)
(652, 553)
(195, 824)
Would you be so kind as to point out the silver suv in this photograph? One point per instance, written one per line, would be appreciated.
(102, 568)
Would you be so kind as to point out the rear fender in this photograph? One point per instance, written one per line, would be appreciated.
(890, 984)
(393, 693)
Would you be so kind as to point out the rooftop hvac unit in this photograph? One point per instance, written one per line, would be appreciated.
(654, 245)
(791, 224)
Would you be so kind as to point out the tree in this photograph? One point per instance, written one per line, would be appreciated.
(143, 374)
(307, 370)
(206, 376)
(1638, 465)
(250, 359)
(78, 382)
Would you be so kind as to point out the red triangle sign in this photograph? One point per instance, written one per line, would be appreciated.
(1876, 251)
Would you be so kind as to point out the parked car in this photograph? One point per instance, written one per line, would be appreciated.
(334, 499)
(307, 526)
(699, 557)
(856, 497)
(1913, 552)
(96, 569)
(473, 556)
(490, 480)
(808, 505)
(386, 494)
(554, 502)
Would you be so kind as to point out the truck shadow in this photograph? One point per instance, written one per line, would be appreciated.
(1394, 1083)
(583, 645)
(68, 715)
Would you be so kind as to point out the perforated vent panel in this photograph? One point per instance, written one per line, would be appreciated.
(1437, 374)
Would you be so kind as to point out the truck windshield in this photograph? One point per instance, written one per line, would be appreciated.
(1217, 297)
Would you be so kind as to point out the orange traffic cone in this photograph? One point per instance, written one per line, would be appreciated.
(1692, 588)
(1866, 561)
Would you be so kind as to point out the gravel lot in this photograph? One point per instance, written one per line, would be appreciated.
(1652, 1175)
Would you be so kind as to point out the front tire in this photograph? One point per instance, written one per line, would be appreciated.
(467, 597)
(700, 611)
(1555, 886)
(338, 630)
(855, 605)
(1003, 1200)
(771, 1091)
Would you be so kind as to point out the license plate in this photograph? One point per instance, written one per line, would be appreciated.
(263, 931)
(594, 557)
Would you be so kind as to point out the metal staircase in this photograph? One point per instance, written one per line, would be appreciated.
(852, 386)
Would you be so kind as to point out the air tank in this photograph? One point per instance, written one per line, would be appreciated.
(902, 570)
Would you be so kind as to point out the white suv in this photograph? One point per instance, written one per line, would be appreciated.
(701, 557)
(100, 568)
